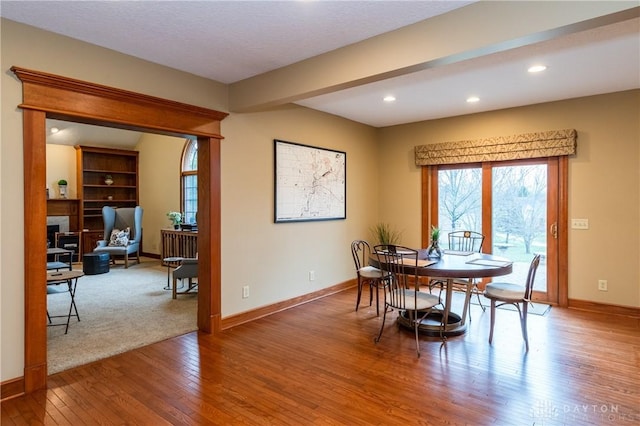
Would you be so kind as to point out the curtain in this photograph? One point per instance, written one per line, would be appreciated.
(551, 143)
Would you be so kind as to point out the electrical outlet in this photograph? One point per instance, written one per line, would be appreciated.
(245, 291)
(602, 285)
(312, 275)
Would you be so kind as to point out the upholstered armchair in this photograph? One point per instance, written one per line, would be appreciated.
(122, 232)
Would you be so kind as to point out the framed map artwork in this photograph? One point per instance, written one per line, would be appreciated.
(310, 183)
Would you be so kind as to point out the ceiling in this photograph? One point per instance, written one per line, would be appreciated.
(230, 41)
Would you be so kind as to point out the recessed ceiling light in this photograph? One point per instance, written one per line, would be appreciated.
(473, 99)
(537, 68)
(54, 130)
(389, 98)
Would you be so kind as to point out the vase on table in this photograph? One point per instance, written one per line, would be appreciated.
(434, 251)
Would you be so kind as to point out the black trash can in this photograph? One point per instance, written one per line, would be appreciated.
(95, 263)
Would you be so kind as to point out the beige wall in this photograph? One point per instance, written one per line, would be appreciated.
(604, 182)
(159, 168)
(61, 164)
(286, 252)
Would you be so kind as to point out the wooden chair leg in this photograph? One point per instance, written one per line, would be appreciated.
(493, 319)
(126, 260)
(174, 291)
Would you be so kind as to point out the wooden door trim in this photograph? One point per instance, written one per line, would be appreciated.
(51, 96)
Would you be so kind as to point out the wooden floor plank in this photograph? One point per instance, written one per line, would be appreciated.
(318, 364)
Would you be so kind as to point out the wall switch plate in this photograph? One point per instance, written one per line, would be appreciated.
(245, 292)
(579, 223)
(312, 275)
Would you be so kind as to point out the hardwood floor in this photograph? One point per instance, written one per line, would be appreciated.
(318, 364)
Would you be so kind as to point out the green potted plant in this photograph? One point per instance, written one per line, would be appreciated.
(108, 180)
(383, 233)
(62, 186)
(434, 250)
(175, 218)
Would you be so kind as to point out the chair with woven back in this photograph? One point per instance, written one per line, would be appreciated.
(400, 269)
(503, 293)
(461, 243)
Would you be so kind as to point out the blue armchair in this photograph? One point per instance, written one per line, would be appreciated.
(121, 219)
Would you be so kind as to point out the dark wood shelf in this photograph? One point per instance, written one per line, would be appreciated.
(110, 171)
(114, 200)
(110, 186)
(93, 165)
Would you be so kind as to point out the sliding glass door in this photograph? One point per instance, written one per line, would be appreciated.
(513, 204)
(519, 219)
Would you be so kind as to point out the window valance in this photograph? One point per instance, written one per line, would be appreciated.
(500, 148)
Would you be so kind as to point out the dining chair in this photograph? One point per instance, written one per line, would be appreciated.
(367, 274)
(462, 242)
(401, 291)
(502, 293)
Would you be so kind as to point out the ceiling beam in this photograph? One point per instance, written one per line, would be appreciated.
(470, 32)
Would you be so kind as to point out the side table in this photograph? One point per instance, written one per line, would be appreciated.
(71, 279)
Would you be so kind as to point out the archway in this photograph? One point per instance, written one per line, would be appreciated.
(50, 96)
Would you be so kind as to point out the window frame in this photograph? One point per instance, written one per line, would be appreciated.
(189, 153)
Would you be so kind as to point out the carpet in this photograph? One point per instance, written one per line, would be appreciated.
(119, 311)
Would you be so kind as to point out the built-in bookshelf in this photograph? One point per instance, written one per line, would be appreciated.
(106, 177)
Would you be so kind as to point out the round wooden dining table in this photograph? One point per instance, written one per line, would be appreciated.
(452, 265)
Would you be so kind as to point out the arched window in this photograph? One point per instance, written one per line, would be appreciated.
(189, 181)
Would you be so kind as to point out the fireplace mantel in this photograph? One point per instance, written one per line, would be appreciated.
(65, 207)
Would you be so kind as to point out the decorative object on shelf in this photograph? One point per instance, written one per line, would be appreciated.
(62, 187)
(383, 233)
(434, 250)
(108, 180)
(175, 218)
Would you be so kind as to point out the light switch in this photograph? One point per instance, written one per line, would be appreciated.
(579, 223)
